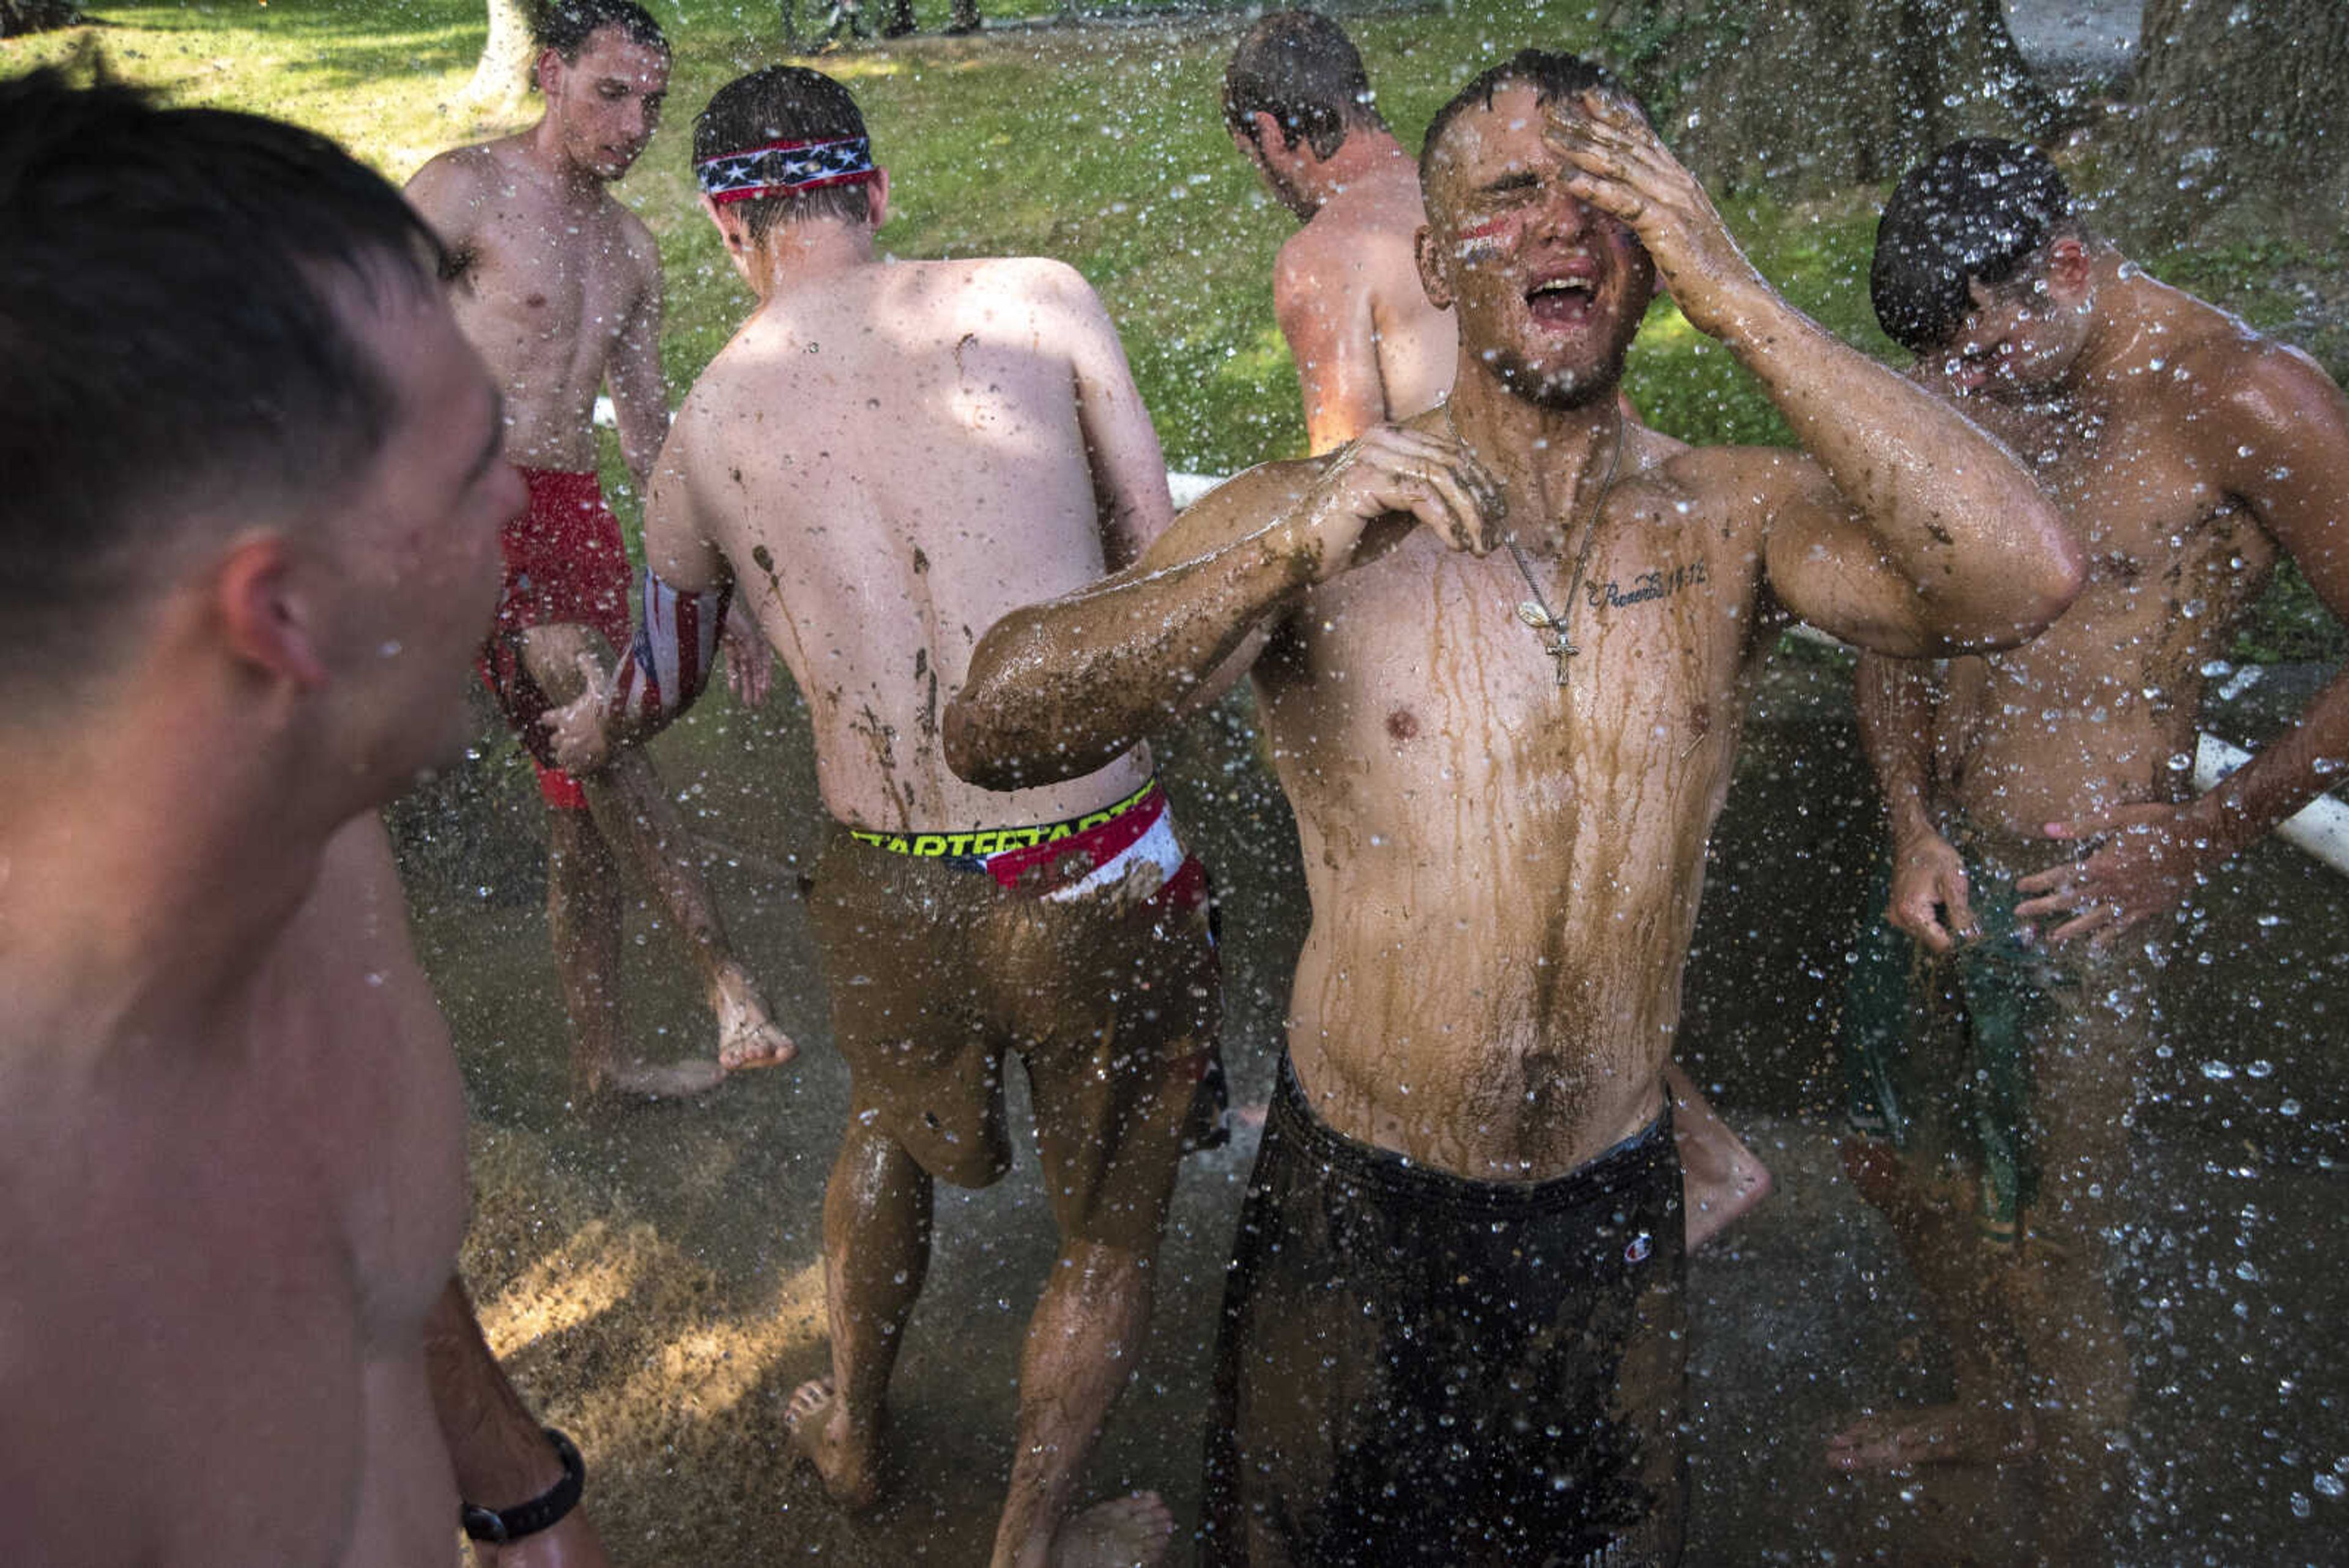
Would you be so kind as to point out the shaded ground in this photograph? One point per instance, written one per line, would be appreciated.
(652, 1272)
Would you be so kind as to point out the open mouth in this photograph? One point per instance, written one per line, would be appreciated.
(1562, 302)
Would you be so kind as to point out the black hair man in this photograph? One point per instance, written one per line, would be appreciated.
(250, 545)
(2050, 786)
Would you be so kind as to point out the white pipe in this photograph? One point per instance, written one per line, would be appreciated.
(2321, 829)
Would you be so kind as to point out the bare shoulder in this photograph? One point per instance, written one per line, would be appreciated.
(456, 178)
(2255, 384)
(641, 250)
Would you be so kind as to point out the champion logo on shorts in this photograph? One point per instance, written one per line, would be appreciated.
(1637, 1252)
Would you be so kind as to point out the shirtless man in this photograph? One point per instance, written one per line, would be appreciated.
(563, 296)
(2052, 785)
(1454, 1327)
(1369, 347)
(248, 566)
(884, 460)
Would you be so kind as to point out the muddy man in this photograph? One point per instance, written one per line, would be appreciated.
(1453, 1326)
(1370, 346)
(884, 460)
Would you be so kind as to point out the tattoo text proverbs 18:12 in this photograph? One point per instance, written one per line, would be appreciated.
(1645, 585)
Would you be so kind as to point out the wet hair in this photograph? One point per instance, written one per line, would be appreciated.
(1979, 211)
(1552, 76)
(1300, 69)
(784, 103)
(566, 25)
(176, 291)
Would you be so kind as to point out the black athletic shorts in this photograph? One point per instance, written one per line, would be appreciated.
(1419, 1368)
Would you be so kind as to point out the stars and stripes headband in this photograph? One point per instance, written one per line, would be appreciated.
(784, 168)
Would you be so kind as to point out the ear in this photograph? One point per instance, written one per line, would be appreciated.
(2069, 266)
(1430, 258)
(265, 622)
(1265, 131)
(877, 197)
(547, 72)
(729, 229)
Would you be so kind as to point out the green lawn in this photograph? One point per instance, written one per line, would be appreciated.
(1099, 144)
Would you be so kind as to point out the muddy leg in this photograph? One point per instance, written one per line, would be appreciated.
(583, 916)
(876, 1251)
(1087, 1329)
(1725, 1179)
(634, 812)
(1961, 1279)
(634, 815)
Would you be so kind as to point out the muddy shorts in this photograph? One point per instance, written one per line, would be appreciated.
(564, 564)
(1082, 947)
(1419, 1368)
(1990, 1054)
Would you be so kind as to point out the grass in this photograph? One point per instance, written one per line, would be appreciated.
(1101, 145)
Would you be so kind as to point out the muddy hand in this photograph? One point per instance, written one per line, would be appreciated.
(750, 663)
(1392, 473)
(1929, 887)
(1626, 171)
(574, 731)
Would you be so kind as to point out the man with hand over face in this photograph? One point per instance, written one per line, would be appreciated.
(1501, 652)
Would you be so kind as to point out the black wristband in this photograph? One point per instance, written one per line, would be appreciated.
(499, 1525)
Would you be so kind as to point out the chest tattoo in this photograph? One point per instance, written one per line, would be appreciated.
(1659, 584)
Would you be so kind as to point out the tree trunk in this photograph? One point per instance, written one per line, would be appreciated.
(20, 16)
(1828, 92)
(2240, 124)
(502, 80)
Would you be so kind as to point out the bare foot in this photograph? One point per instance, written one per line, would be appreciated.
(747, 1036)
(1938, 1433)
(1126, 1532)
(818, 1425)
(663, 1080)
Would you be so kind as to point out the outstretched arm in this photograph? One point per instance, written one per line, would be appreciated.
(1929, 896)
(1056, 690)
(1915, 533)
(2277, 441)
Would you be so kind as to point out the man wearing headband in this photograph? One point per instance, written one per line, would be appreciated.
(246, 568)
(563, 297)
(1369, 347)
(1502, 650)
(2044, 831)
(884, 458)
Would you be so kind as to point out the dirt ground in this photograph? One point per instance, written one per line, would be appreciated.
(651, 1273)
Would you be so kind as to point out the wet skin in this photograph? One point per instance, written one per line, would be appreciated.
(1504, 873)
(1368, 344)
(561, 284)
(232, 1143)
(2186, 452)
(884, 459)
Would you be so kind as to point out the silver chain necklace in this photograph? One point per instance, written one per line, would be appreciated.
(1548, 624)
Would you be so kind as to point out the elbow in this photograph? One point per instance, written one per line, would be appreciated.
(2029, 592)
(963, 734)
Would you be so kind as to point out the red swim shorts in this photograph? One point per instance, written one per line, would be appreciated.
(564, 562)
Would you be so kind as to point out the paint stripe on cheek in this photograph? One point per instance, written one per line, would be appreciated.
(1482, 242)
